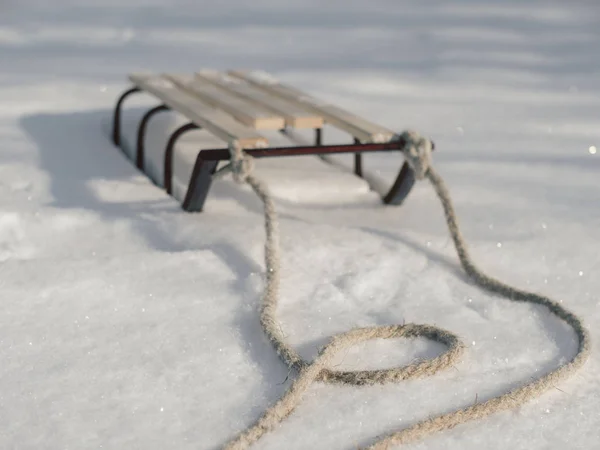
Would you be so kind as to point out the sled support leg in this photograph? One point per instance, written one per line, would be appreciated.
(199, 186)
(139, 155)
(401, 187)
(168, 168)
(116, 136)
(358, 161)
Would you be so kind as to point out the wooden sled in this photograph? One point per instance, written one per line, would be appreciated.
(235, 106)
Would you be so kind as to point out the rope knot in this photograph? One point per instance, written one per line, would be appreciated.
(240, 165)
(417, 151)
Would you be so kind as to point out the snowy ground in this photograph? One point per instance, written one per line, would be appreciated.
(128, 324)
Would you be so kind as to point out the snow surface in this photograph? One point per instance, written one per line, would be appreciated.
(129, 324)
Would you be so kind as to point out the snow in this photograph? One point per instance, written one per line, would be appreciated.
(127, 323)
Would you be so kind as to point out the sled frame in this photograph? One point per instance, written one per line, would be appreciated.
(201, 116)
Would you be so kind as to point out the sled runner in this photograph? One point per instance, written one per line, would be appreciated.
(235, 106)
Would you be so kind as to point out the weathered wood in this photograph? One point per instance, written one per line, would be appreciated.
(358, 127)
(294, 114)
(246, 111)
(202, 114)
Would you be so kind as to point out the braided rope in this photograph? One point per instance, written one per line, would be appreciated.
(240, 165)
(417, 152)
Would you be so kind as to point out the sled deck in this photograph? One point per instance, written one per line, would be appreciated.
(244, 106)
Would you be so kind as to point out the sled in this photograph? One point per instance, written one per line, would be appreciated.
(237, 106)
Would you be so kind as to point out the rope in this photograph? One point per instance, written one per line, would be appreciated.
(241, 164)
(417, 152)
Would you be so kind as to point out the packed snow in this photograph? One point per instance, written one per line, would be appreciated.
(130, 324)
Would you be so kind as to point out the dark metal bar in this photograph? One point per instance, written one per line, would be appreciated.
(358, 161)
(168, 166)
(318, 137)
(207, 161)
(223, 153)
(116, 131)
(401, 187)
(199, 186)
(139, 156)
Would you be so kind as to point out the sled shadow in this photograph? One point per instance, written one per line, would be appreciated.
(75, 151)
(76, 154)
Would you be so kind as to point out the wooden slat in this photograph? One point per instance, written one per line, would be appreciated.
(217, 122)
(358, 127)
(246, 111)
(295, 116)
